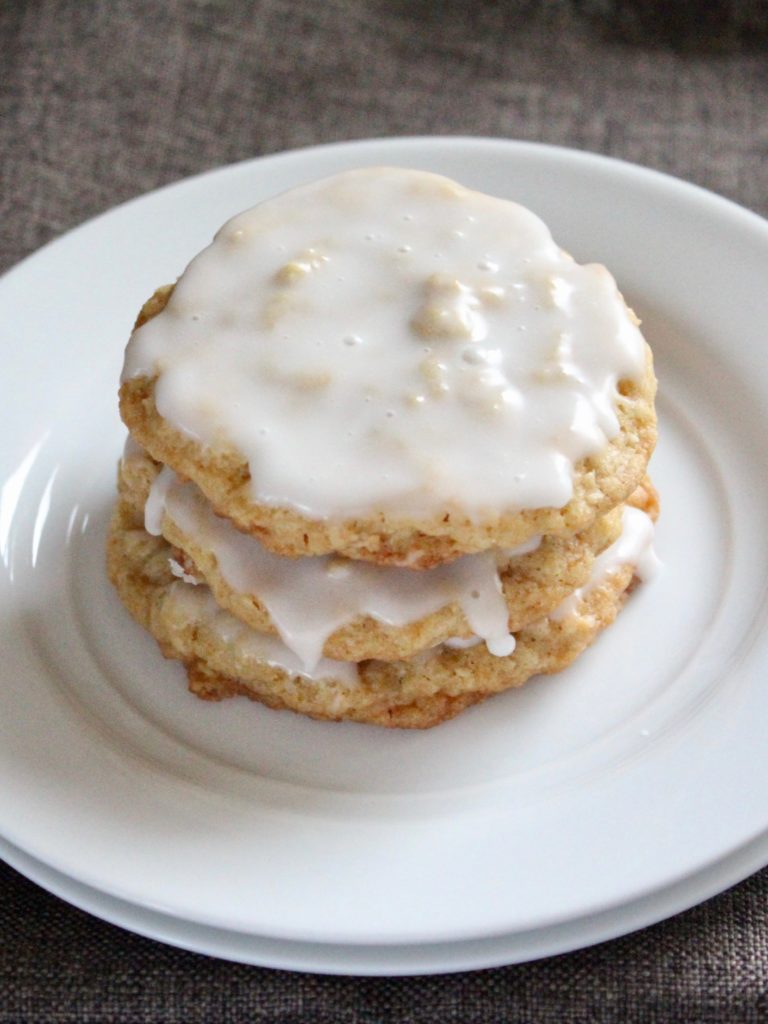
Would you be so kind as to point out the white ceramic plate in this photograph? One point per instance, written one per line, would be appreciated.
(423, 958)
(642, 765)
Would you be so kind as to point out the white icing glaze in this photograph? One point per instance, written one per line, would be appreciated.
(155, 506)
(503, 555)
(461, 643)
(181, 574)
(309, 598)
(633, 547)
(387, 339)
(196, 604)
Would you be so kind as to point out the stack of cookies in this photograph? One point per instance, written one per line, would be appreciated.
(387, 453)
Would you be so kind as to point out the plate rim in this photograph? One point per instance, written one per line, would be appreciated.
(521, 145)
(393, 960)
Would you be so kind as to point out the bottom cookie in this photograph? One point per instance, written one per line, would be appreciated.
(225, 658)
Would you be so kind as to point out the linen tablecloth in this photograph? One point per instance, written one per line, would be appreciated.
(102, 101)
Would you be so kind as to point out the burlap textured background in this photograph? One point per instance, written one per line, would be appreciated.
(101, 101)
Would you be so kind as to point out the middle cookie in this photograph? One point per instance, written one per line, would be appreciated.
(352, 610)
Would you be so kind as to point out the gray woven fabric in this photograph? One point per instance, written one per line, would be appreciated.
(102, 101)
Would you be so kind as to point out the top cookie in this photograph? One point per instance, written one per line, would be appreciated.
(393, 367)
